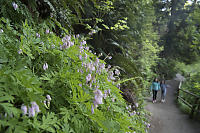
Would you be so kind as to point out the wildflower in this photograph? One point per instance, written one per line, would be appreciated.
(77, 36)
(102, 66)
(87, 48)
(85, 56)
(105, 94)
(24, 109)
(148, 125)
(88, 77)
(113, 99)
(131, 114)
(117, 72)
(71, 43)
(65, 45)
(53, 46)
(130, 106)
(108, 91)
(92, 68)
(38, 35)
(35, 107)
(31, 112)
(127, 107)
(111, 75)
(136, 104)
(48, 97)
(90, 85)
(109, 66)
(44, 102)
(19, 51)
(92, 109)
(83, 42)
(1, 30)
(134, 112)
(45, 66)
(80, 85)
(80, 57)
(47, 31)
(98, 97)
(96, 62)
(15, 6)
(110, 57)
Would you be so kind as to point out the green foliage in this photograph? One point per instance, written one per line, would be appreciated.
(24, 80)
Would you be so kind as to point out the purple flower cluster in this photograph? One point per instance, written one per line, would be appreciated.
(93, 68)
(67, 42)
(31, 111)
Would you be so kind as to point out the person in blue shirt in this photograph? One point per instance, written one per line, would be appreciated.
(163, 90)
(155, 87)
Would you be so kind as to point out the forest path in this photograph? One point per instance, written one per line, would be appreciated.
(167, 117)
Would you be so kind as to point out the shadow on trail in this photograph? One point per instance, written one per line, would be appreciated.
(167, 117)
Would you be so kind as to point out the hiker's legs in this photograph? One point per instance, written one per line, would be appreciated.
(155, 94)
(162, 95)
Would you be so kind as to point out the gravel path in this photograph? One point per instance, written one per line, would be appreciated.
(167, 117)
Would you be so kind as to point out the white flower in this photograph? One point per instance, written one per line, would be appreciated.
(113, 99)
(24, 109)
(19, 51)
(88, 77)
(38, 35)
(45, 66)
(117, 72)
(136, 104)
(47, 31)
(98, 98)
(48, 97)
(35, 107)
(1, 30)
(31, 112)
(15, 6)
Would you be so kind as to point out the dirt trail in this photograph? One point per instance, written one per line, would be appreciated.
(167, 117)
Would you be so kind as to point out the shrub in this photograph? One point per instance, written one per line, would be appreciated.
(53, 84)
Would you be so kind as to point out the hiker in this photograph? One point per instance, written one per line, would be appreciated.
(163, 87)
(155, 87)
